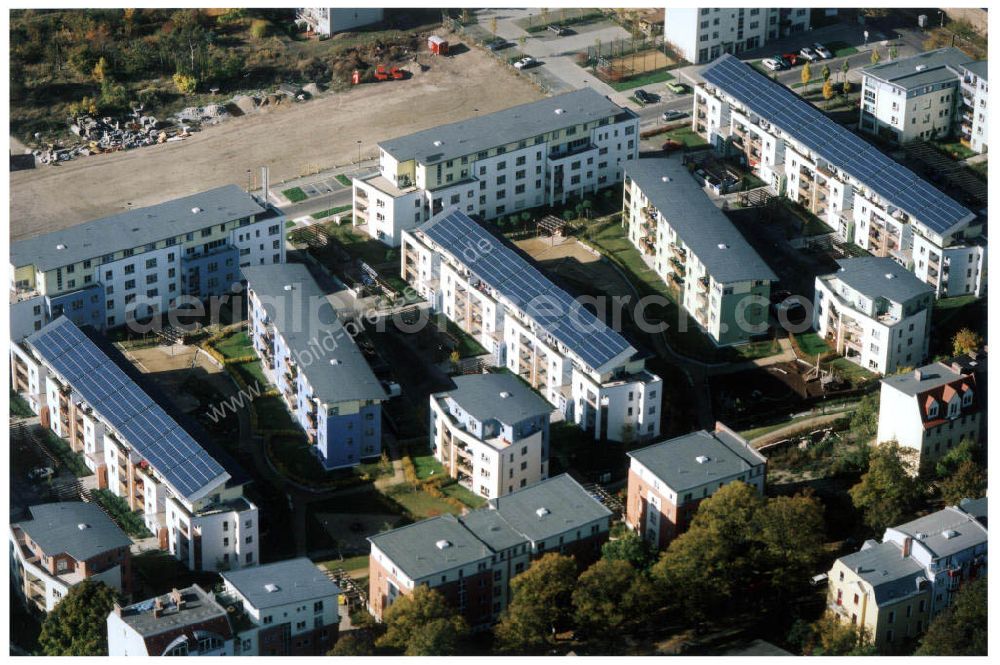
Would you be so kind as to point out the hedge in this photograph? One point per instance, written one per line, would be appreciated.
(118, 510)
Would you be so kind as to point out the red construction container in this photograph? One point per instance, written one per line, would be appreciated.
(437, 45)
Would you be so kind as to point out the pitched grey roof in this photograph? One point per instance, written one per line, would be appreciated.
(935, 66)
(932, 376)
(134, 228)
(511, 125)
(292, 581)
(699, 223)
(675, 461)
(414, 548)
(199, 606)
(869, 275)
(568, 507)
(308, 322)
(891, 575)
(482, 396)
(81, 530)
(977, 508)
(945, 532)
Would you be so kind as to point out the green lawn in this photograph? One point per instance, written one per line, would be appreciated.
(685, 135)
(295, 195)
(60, 448)
(343, 179)
(419, 504)
(851, 371)
(329, 212)
(955, 149)
(237, 345)
(359, 562)
(250, 372)
(272, 413)
(363, 247)
(19, 407)
(117, 508)
(647, 78)
(459, 492)
(294, 455)
(426, 465)
(812, 344)
(467, 346)
(289, 224)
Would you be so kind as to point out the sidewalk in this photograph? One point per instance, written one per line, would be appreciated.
(322, 182)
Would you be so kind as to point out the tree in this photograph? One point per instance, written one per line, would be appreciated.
(631, 548)
(541, 603)
(185, 83)
(423, 624)
(78, 624)
(847, 88)
(893, 52)
(961, 629)
(966, 341)
(965, 451)
(259, 28)
(889, 491)
(806, 75)
(829, 636)
(826, 72)
(568, 215)
(100, 70)
(844, 68)
(876, 56)
(789, 555)
(493, 25)
(610, 596)
(828, 92)
(864, 420)
(968, 481)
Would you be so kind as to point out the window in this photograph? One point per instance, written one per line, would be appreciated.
(318, 606)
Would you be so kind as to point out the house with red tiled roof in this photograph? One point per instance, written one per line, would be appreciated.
(931, 409)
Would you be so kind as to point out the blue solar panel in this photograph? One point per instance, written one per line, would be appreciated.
(846, 151)
(146, 427)
(552, 309)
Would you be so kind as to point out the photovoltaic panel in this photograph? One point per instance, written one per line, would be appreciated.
(143, 424)
(843, 149)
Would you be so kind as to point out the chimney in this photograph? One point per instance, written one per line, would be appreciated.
(118, 609)
(916, 374)
(176, 598)
(957, 368)
(907, 546)
(157, 608)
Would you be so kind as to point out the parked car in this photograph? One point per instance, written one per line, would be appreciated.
(809, 54)
(772, 64)
(558, 29)
(644, 97)
(822, 51)
(791, 59)
(498, 45)
(525, 62)
(41, 473)
(673, 114)
(675, 87)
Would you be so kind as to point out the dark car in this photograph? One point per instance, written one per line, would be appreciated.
(673, 114)
(782, 60)
(644, 97)
(498, 45)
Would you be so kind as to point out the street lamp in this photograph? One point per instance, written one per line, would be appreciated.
(359, 151)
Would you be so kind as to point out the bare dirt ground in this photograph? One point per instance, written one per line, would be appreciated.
(569, 259)
(171, 366)
(290, 139)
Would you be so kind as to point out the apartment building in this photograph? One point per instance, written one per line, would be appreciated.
(62, 545)
(912, 98)
(974, 129)
(144, 262)
(931, 409)
(492, 165)
(716, 275)
(326, 21)
(667, 481)
(874, 313)
(470, 559)
(184, 622)
(860, 193)
(88, 394)
(894, 589)
(288, 608)
(702, 35)
(313, 361)
(491, 432)
(533, 328)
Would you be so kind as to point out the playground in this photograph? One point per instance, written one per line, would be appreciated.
(570, 260)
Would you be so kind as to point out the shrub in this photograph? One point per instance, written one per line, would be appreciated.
(185, 83)
(260, 28)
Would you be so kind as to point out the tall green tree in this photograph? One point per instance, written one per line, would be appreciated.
(830, 637)
(966, 341)
(611, 596)
(864, 420)
(890, 490)
(78, 624)
(631, 548)
(541, 604)
(423, 624)
(968, 481)
(961, 630)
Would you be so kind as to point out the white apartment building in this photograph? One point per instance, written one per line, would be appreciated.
(492, 165)
(702, 35)
(193, 504)
(717, 276)
(859, 192)
(491, 432)
(931, 409)
(975, 113)
(874, 313)
(184, 622)
(533, 328)
(326, 21)
(138, 264)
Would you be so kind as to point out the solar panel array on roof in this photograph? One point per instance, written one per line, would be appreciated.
(843, 149)
(154, 435)
(527, 288)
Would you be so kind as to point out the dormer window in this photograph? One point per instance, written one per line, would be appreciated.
(967, 397)
(953, 408)
(932, 408)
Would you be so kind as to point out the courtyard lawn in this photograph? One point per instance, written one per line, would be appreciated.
(251, 371)
(349, 564)
(648, 78)
(236, 345)
(361, 246)
(426, 465)
(271, 413)
(295, 195)
(459, 492)
(811, 344)
(853, 372)
(467, 346)
(419, 504)
(293, 455)
(685, 135)
(955, 149)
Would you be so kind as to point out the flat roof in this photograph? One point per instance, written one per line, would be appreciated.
(876, 276)
(505, 271)
(932, 376)
(199, 606)
(501, 396)
(980, 68)
(134, 228)
(282, 583)
(431, 546)
(79, 529)
(840, 147)
(702, 226)
(511, 125)
(920, 70)
(676, 461)
(308, 322)
(549, 508)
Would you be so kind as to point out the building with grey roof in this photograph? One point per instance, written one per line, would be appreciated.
(534, 154)
(64, 544)
(875, 313)
(184, 622)
(973, 113)
(470, 559)
(136, 264)
(313, 360)
(491, 433)
(668, 480)
(693, 247)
